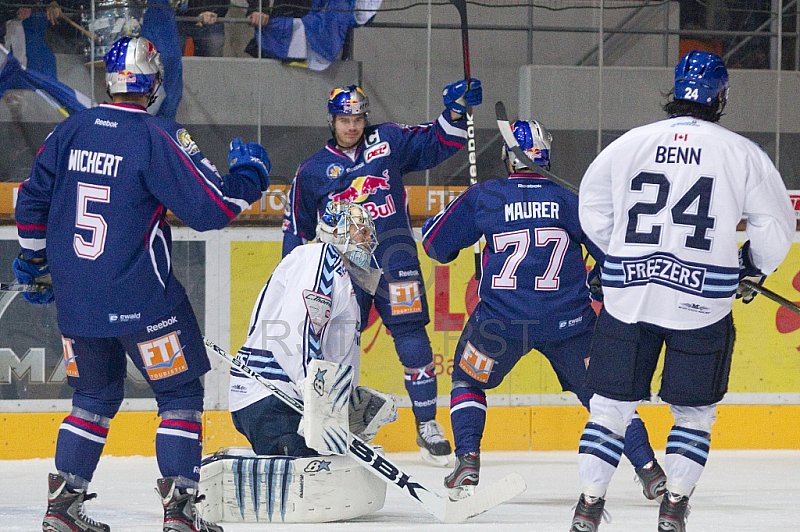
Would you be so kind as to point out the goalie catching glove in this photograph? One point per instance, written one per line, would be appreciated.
(748, 272)
(251, 160)
(369, 411)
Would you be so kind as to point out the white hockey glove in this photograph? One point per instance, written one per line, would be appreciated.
(369, 411)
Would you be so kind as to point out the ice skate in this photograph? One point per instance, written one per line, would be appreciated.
(673, 513)
(433, 446)
(588, 513)
(180, 512)
(653, 480)
(461, 482)
(65, 511)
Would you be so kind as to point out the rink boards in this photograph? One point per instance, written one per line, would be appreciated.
(223, 272)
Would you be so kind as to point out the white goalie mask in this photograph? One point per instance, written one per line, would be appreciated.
(350, 229)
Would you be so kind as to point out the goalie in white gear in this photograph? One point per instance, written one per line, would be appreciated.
(306, 322)
(307, 310)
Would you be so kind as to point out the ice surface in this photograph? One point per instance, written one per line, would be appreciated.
(739, 490)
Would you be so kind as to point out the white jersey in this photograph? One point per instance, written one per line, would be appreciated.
(663, 201)
(306, 310)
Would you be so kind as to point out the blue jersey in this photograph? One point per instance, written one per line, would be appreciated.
(532, 264)
(373, 179)
(95, 205)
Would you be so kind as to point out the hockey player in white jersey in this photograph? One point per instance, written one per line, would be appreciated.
(307, 310)
(663, 202)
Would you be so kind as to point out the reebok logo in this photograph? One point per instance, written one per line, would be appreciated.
(105, 123)
(163, 323)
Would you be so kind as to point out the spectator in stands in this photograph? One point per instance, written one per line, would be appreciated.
(24, 30)
(311, 32)
(207, 32)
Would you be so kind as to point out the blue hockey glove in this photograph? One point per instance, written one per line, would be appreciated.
(596, 283)
(457, 98)
(27, 273)
(253, 158)
(748, 272)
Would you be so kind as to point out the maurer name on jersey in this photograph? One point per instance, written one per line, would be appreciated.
(94, 162)
(520, 210)
(676, 155)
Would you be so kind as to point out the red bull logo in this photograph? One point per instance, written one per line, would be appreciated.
(362, 187)
(126, 76)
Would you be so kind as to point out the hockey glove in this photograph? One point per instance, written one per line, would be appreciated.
(596, 283)
(748, 272)
(457, 98)
(27, 273)
(253, 159)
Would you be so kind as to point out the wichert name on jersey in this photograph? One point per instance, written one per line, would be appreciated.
(663, 269)
(677, 155)
(94, 162)
(520, 210)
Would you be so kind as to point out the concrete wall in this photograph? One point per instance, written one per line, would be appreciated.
(534, 73)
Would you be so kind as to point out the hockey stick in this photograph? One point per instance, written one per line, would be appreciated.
(442, 509)
(769, 294)
(511, 141)
(16, 287)
(472, 156)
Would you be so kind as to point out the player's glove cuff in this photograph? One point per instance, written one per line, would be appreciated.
(250, 156)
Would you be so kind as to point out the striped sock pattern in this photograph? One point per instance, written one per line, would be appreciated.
(81, 438)
(689, 443)
(179, 445)
(468, 418)
(601, 442)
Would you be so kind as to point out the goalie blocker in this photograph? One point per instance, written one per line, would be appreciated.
(240, 487)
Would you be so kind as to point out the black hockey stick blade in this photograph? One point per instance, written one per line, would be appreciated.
(511, 141)
(17, 287)
(769, 294)
(441, 508)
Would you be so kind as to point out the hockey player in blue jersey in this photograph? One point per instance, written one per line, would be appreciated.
(663, 202)
(534, 295)
(92, 215)
(365, 164)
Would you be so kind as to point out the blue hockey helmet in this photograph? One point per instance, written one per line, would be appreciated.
(350, 229)
(133, 65)
(701, 77)
(347, 101)
(534, 140)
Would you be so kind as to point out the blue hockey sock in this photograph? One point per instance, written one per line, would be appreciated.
(468, 418)
(637, 444)
(179, 442)
(81, 439)
(422, 389)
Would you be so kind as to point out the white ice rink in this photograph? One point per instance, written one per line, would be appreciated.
(739, 491)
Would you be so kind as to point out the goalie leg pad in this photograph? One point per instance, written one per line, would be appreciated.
(326, 392)
(241, 487)
(369, 411)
